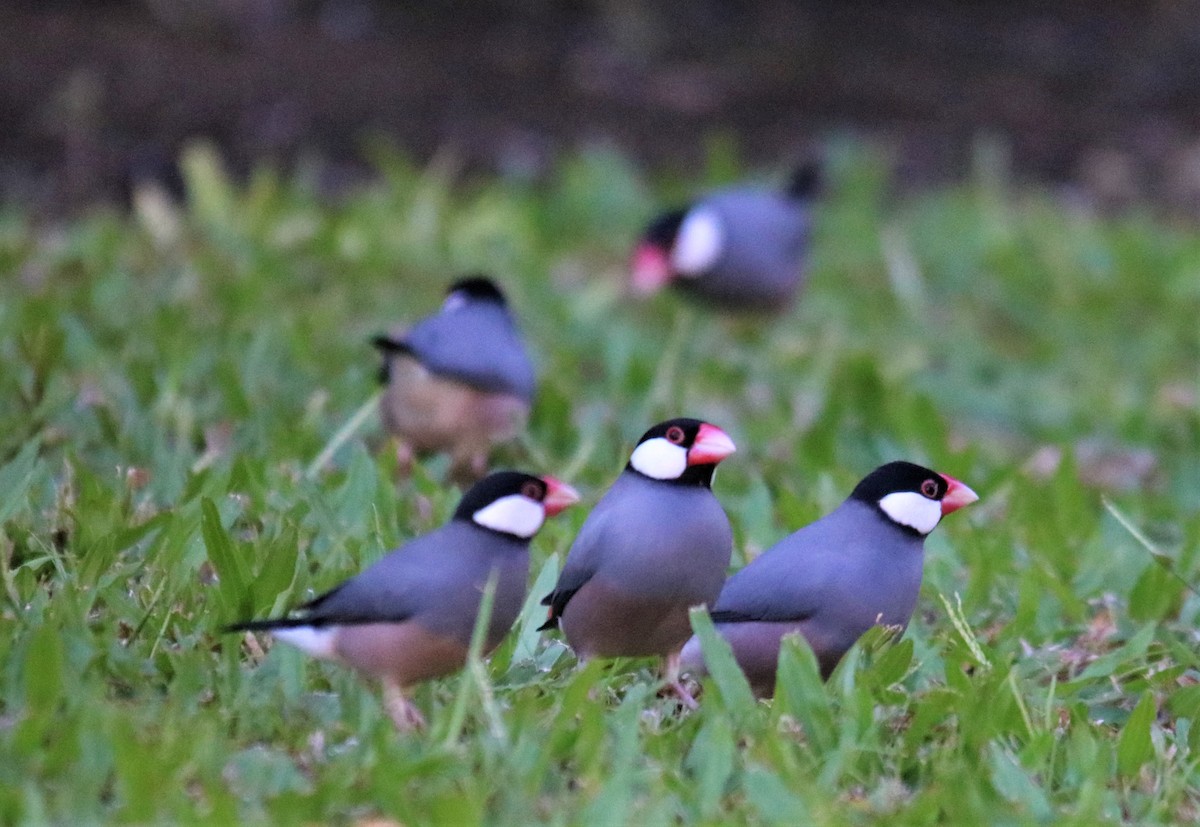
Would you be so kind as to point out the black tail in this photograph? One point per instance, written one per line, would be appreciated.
(551, 616)
(386, 345)
(266, 625)
(807, 181)
(557, 601)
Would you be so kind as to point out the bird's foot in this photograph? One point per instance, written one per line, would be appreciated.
(404, 715)
(672, 685)
(680, 692)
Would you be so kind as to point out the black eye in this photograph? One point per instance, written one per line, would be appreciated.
(929, 488)
(532, 490)
(675, 435)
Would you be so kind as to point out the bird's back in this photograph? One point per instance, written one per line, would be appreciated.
(478, 344)
(844, 571)
(762, 263)
(437, 581)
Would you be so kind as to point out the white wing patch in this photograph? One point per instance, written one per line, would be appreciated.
(699, 243)
(513, 514)
(659, 459)
(317, 641)
(913, 510)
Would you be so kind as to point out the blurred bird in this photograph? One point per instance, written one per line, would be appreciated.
(738, 248)
(655, 545)
(409, 616)
(858, 566)
(457, 381)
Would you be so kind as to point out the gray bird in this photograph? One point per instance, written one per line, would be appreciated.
(409, 616)
(655, 545)
(858, 566)
(738, 248)
(458, 381)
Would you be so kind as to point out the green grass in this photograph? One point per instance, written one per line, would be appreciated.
(168, 381)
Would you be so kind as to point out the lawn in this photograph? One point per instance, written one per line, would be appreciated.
(175, 378)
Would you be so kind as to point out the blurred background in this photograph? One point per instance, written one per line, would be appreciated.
(1099, 98)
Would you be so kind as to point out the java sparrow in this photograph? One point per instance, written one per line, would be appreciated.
(656, 544)
(459, 380)
(858, 566)
(409, 616)
(737, 248)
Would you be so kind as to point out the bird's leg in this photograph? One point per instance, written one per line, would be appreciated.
(672, 685)
(404, 715)
(255, 648)
(405, 457)
(468, 466)
(479, 464)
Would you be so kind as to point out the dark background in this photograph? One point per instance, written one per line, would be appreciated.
(1101, 96)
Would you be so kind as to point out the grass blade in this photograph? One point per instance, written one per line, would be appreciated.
(732, 687)
(232, 575)
(475, 675)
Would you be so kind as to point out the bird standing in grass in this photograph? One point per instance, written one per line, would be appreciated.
(655, 545)
(409, 616)
(458, 381)
(738, 248)
(858, 566)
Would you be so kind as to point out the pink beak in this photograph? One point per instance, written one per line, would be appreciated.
(559, 495)
(651, 269)
(957, 495)
(711, 446)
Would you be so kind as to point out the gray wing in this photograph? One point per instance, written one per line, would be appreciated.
(476, 343)
(406, 582)
(788, 582)
(436, 580)
(583, 560)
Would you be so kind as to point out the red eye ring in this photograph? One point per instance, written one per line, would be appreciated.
(929, 489)
(675, 435)
(532, 490)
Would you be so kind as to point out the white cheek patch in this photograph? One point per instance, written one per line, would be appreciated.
(454, 301)
(911, 509)
(513, 514)
(659, 459)
(698, 244)
(312, 640)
